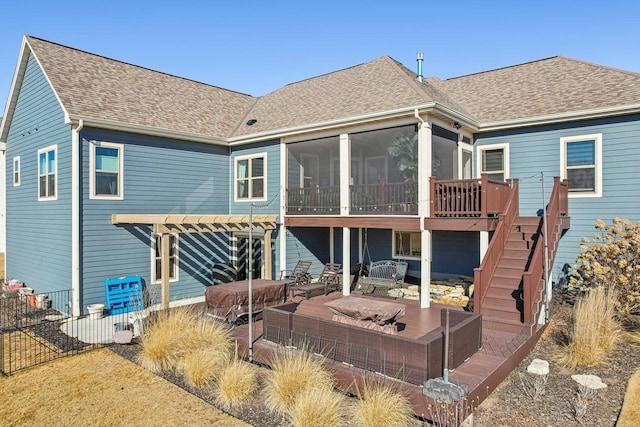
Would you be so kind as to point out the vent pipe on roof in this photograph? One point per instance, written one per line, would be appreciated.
(420, 57)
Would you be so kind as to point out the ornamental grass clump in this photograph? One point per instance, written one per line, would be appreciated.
(382, 405)
(612, 260)
(188, 342)
(235, 384)
(318, 407)
(595, 330)
(292, 373)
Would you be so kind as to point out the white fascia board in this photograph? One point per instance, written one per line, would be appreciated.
(145, 130)
(338, 123)
(597, 113)
(16, 83)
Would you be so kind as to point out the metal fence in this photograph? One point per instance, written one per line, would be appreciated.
(38, 327)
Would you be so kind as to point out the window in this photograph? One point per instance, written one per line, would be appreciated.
(106, 162)
(156, 262)
(581, 163)
(47, 167)
(16, 171)
(494, 161)
(250, 177)
(407, 244)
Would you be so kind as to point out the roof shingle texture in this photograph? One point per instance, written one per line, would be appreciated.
(549, 86)
(92, 86)
(376, 86)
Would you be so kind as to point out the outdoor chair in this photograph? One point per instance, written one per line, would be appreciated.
(299, 275)
(327, 282)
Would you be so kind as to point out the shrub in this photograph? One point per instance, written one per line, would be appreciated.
(382, 405)
(172, 336)
(318, 407)
(235, 384)
(612, 260)
(595, 331)
(200, 366)
(292, 372)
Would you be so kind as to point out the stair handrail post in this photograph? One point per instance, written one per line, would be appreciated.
(547, 287)
(484, 201)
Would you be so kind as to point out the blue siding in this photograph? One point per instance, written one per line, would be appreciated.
(160, 176)
(455, 252)
(538, 150)
(38, 233)
(308, 244)
(272, 203)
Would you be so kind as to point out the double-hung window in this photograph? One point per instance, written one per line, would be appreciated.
(105, 179)
(581, 163)
(407, 244)
(156, 261)
(16, 171)
(493, 160)
(47, 172)
(250, 177)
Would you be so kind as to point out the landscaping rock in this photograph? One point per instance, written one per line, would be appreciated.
(592, 382)
(538, 367)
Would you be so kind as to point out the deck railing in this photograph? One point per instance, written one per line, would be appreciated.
(532, 280)
(468, 197)
(370, 199)
(482, 275)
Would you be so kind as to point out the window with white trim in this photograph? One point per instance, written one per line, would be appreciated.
(251, 177)
(16, 171)
(156, 261)
(47, 173)
(106, 164)
(494, 161)
(407, 244)
(581, 163)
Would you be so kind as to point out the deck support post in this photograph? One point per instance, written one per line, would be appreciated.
(425, 142)
(346, 261)
(484, 244)
(267, 255)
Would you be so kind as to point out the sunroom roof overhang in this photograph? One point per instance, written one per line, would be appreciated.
(197, 223)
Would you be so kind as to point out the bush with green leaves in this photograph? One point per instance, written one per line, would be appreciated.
(611, 259)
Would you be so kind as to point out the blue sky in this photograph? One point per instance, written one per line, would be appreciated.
(257, 47)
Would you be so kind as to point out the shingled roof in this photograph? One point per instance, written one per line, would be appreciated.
(551, 86)
(92, 86)
(377, 86)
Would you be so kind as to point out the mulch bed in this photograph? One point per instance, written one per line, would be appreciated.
(510, 404)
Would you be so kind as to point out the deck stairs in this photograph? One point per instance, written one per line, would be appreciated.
(502, 308)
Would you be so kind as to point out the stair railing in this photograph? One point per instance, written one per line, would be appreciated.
(532, 279)
(482, 275)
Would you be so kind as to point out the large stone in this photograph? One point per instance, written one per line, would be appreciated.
(592, 382)
(538, 367)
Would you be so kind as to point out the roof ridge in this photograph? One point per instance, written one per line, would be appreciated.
(29, 36)
(329, 73)
(417, 87)
(593, 64)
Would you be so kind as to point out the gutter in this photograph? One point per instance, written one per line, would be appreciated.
(355, 120)
(75, 216)
(145, 130)
(597, 113)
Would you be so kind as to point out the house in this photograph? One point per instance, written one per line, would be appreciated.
(118, 170)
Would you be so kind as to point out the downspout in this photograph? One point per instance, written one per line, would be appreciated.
(76, 309)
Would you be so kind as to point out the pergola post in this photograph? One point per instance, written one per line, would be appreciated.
(165, 239)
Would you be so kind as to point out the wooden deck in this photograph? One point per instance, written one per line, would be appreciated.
(501, 352)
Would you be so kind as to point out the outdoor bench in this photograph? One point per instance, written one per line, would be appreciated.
(387, 273)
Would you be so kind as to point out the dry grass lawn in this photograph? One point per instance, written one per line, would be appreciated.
(100, 388)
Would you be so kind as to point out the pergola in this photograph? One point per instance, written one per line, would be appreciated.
(167, 224)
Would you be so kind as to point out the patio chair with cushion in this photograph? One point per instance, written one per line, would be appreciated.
(327, 282)
(299, 275)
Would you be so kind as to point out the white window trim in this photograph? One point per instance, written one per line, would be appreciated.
(16, 183)
(176, 250)
(53, 148)
(92, 170)
(597, 137)
(235, 178)
(504, 147)
(393, 246)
